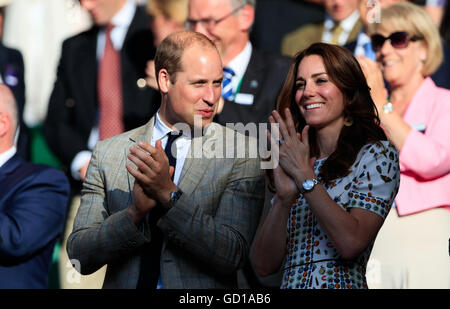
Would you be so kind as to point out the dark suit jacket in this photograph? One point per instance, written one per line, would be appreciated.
(12, 73)
(73, 107)
(264, 78)
(304, 36)
(33, 200)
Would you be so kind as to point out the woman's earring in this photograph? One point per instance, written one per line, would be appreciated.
(348, 121)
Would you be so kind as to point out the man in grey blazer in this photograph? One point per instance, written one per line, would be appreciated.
(206, 208)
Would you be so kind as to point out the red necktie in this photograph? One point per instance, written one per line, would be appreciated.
(110, 90)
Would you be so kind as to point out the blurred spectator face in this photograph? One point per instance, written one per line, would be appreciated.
(340, 9)
(102, 11)
(220, 22)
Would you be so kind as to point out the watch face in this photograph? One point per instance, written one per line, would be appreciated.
(308, 184)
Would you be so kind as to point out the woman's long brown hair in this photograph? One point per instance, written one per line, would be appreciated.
(345, 72)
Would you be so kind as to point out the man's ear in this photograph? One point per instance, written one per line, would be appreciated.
(247, 16)
(164, 80)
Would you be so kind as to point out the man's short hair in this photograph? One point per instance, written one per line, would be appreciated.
(169, 52)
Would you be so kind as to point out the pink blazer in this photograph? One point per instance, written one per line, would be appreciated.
(425, 156)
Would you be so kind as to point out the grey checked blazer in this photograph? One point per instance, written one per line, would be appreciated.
(207, 233)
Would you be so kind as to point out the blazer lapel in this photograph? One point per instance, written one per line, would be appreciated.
(195, 165)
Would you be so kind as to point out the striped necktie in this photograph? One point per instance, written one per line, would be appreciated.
(227, 89)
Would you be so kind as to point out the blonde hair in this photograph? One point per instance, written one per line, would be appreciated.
(405, 16)
(176, 10)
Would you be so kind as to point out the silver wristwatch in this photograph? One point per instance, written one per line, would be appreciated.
(308, 185)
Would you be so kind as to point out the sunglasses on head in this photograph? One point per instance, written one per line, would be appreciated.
(399, 39)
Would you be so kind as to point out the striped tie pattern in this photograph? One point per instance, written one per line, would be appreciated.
(227, 89)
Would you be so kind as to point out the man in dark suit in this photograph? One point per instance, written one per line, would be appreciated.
(33, 200)
(88, 87)
(12, 74)
(257, 76)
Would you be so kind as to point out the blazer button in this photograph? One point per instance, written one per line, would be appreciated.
(70, 103)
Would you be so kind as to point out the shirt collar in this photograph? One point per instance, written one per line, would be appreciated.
(5, 156)
(240, 62)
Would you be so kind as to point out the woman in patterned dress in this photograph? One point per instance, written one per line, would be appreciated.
(336, 179)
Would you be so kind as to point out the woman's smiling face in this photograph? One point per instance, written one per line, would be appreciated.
(320, 101)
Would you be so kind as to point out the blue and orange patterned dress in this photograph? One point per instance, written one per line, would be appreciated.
(312, 261)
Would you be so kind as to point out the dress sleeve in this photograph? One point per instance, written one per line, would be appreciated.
(376, 179)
